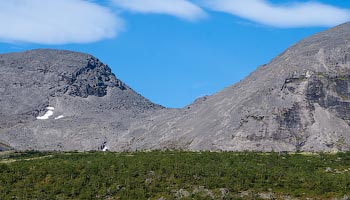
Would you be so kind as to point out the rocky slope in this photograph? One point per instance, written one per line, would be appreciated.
(60, 100)
(300, 101)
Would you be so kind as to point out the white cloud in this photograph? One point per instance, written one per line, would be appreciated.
(305, 14)
(179, 8)
(56, 21)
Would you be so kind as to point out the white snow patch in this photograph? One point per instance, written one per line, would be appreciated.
(105, 148)
(48, 114)
(59, 117)
(308, 74)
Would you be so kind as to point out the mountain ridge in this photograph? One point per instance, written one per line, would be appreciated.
(78, 89)
(300, 101)
(273, 108)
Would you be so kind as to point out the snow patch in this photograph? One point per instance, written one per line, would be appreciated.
(59, 117)
(105, 149)
(50, 108)
(308, 74)
(48, 113)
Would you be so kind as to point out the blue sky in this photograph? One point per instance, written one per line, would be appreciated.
(170, 51)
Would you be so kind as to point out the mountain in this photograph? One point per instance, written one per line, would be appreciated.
(62, 100)
(300, 101)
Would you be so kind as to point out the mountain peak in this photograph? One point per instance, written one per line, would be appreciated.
(297, 102)
(73, 85)
(62, 100)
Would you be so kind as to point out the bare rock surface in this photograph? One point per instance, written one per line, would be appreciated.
(300, 101)
(63, 100)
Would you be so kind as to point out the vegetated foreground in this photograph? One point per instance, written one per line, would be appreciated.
(173, 175)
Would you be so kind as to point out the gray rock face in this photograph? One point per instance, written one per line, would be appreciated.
(298, 102)
(60, 100)
(83, 92)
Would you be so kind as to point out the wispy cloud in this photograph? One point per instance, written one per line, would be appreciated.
(85, 21)
(179, 8)
(306, 14)
(56, 21)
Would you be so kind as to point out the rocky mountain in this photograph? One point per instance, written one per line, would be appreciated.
(300, 101)
(58, 100)
(61, 100)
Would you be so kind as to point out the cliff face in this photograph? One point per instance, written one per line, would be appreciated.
(300, 101)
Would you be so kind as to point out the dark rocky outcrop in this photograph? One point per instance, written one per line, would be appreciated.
(93, 79)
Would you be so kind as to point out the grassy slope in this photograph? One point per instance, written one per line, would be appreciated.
(172, 174)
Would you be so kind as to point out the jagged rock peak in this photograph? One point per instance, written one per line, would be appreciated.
(83, 74)
(74, 83)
